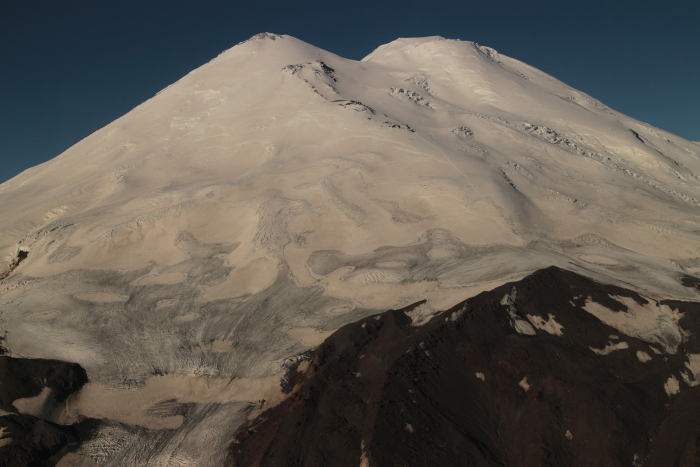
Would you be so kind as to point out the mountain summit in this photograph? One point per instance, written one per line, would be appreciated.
(189, 254)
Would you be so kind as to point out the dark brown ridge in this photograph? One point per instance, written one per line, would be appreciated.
(385, 393)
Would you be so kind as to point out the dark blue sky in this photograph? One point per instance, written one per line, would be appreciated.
(69, 67)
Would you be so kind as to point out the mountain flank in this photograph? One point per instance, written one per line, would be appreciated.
(474, 388)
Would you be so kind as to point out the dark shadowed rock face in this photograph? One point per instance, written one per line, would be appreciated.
(35, 442)
(24, 377)
(479, 385)
(26, 440)
(691, 282)
(21, 256)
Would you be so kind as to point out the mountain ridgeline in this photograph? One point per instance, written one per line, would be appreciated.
(205, 281)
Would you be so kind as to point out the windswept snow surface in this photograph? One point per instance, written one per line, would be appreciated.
(177, 253)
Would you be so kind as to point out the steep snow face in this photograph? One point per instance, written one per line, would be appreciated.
(280, 189)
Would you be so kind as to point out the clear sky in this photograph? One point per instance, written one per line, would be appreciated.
(69, 67)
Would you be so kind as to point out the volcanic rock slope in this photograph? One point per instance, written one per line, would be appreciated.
(530, 374)
(187, 254)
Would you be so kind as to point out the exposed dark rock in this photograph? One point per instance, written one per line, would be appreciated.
(24, 377)
(400, 126)
(357, 105)
(475, 387)
(326, 70)
(26, 440)
(35, 442)
(691, 282)
(21, 256)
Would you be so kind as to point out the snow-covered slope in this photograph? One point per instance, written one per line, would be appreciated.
(278, 192)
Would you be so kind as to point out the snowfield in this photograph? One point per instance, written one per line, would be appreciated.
(187, 252)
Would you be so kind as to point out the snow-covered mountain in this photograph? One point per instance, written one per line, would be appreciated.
(186, 254)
